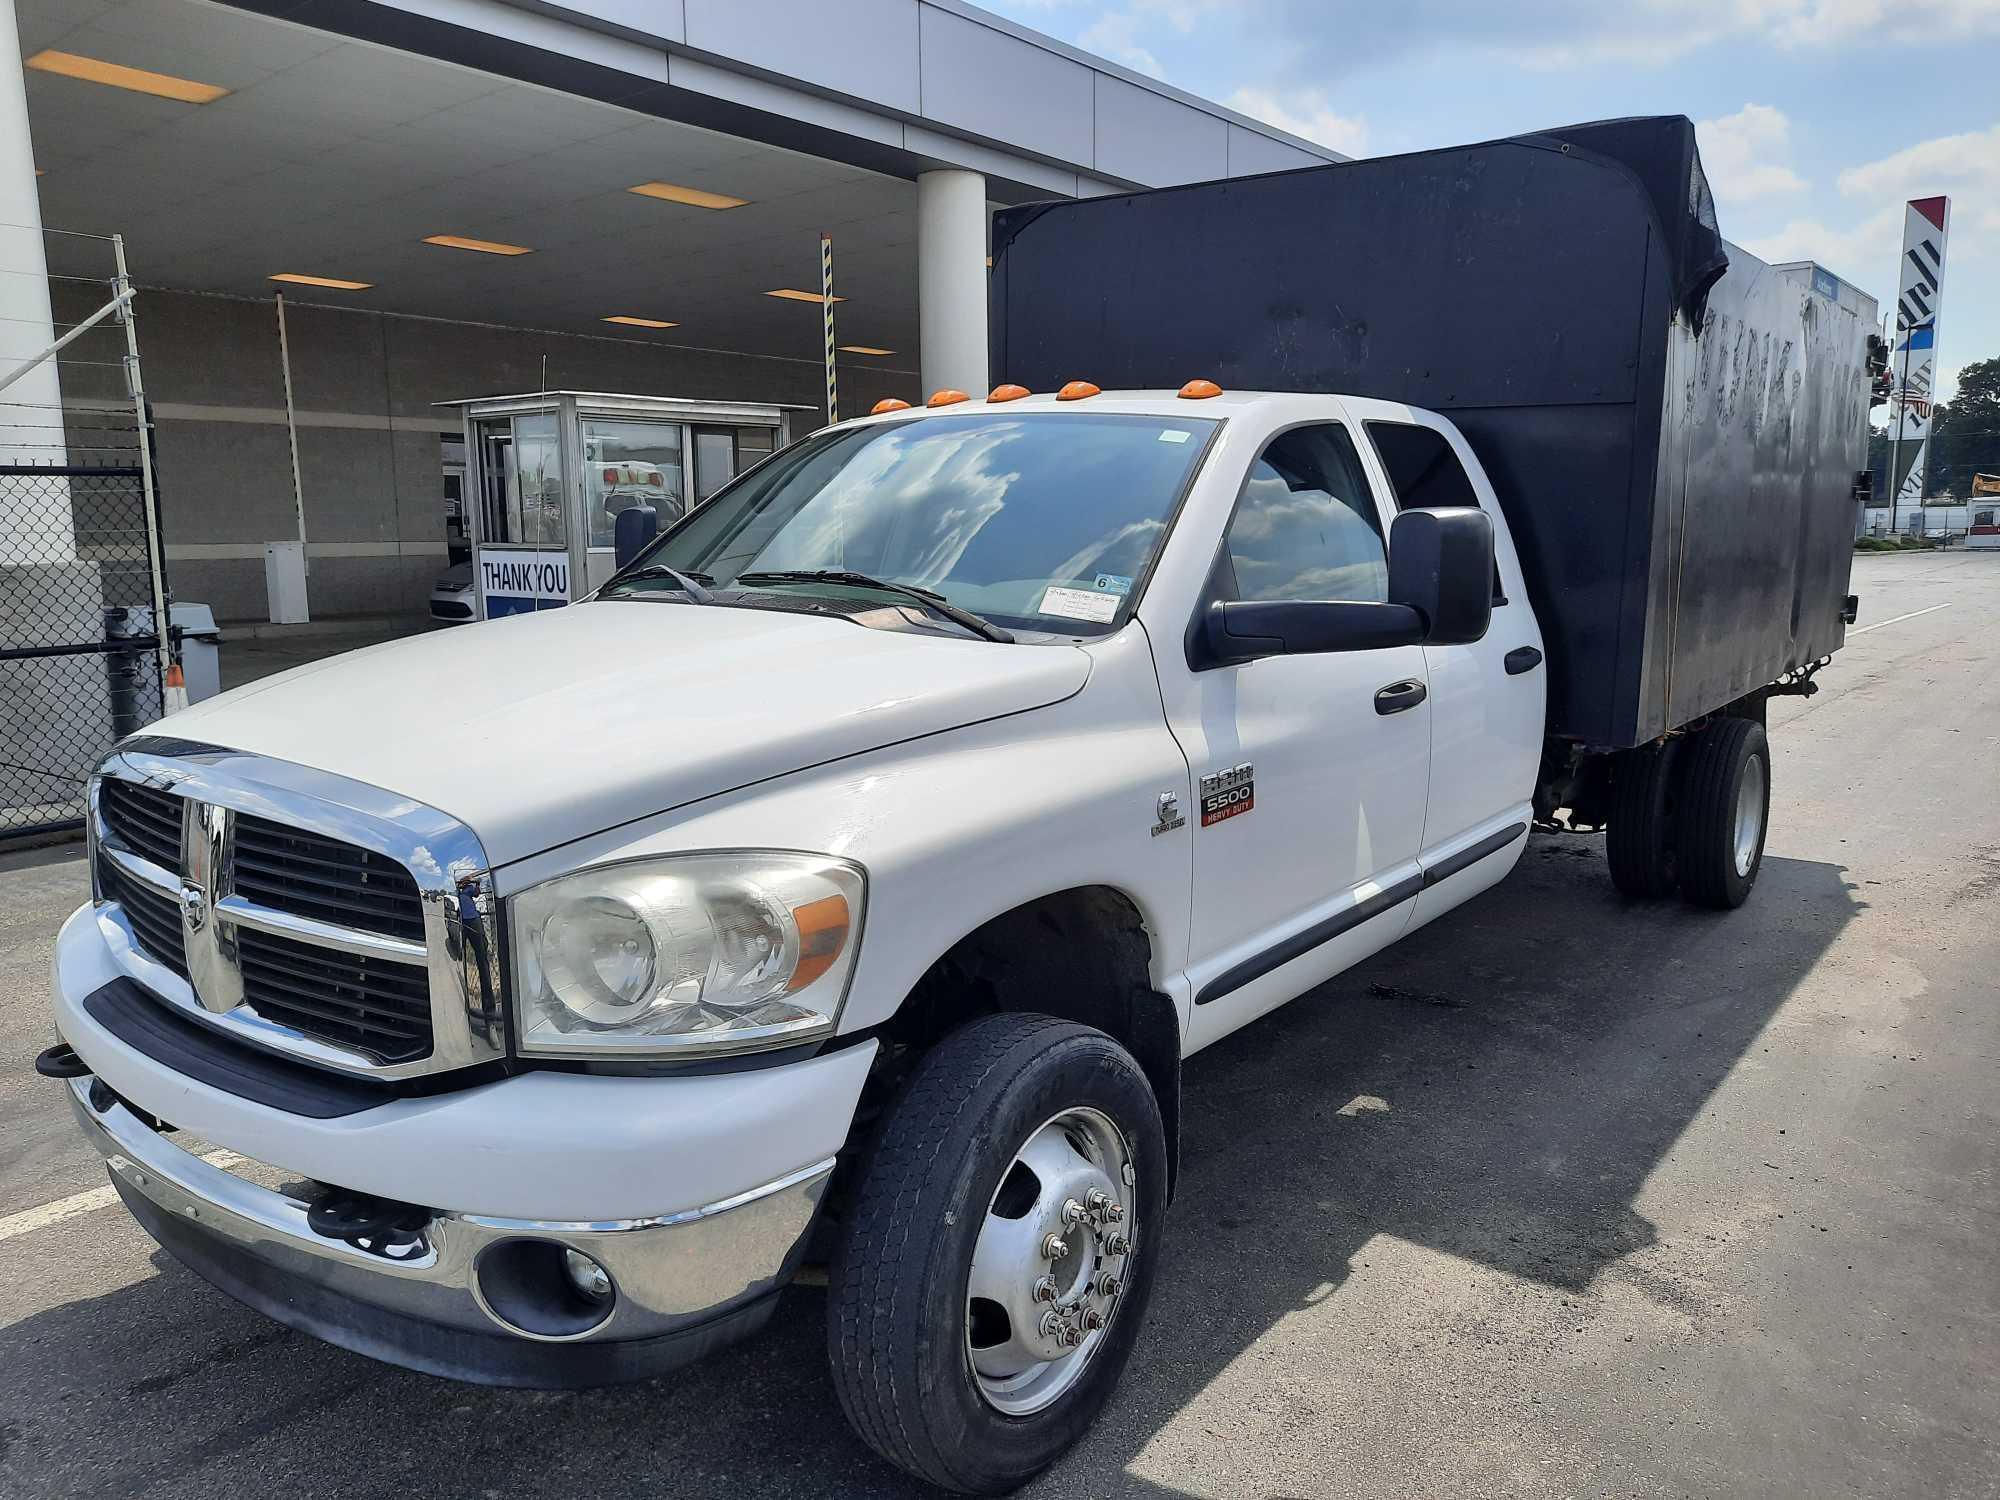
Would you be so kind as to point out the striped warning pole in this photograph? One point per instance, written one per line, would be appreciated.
(826, 306)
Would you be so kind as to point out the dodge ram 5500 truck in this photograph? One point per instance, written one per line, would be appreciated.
(847, 879)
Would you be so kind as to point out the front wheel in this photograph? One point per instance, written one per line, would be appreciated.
(1725, 808)
(997, 1262)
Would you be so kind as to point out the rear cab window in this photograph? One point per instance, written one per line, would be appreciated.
(1425, 474)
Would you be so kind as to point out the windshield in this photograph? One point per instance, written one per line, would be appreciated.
(1038, 521)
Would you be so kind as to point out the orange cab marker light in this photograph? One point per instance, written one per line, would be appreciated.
(1077, 390)
(1009, 392)
(1200, 390)
(947, 398)
(888, 403)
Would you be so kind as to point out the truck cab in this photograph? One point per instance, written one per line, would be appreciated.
(844, 881)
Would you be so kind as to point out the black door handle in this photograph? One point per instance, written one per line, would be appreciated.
(1522, 659)
(1398, 696)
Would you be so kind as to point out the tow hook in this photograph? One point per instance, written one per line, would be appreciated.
(60, 1061)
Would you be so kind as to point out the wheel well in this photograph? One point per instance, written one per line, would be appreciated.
(1083, 955)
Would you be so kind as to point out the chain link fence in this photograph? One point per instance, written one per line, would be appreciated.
(81, 578)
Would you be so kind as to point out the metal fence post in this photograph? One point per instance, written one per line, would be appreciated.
(135, 385)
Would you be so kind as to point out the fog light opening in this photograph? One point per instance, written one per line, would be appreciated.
(543, 1290)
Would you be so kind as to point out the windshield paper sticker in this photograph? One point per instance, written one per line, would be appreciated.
(1112, 583)
(1227, 794)
(1079, 604)
(1171, 436)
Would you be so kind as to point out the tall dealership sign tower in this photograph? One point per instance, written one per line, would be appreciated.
(1919, 294)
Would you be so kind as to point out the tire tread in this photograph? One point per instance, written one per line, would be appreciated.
(1707, 824)
(870, 1363)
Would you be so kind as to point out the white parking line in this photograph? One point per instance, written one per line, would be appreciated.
(28, 1220)
(1898, 619)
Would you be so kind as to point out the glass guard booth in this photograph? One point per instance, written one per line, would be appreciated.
(546, 476)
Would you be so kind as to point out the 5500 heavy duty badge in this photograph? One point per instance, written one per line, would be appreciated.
(1227, 794)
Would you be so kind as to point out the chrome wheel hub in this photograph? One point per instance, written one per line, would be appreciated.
(1050, 1264)
(1749, 813)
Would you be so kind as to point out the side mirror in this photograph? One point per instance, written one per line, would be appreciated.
(634, 527)
(1441, 566)
(1440, 594)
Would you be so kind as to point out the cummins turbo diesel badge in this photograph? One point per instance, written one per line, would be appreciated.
(1225, 794)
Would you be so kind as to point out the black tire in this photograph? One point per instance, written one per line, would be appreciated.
(897, 1310)
(1718, 759)
(1641, 841)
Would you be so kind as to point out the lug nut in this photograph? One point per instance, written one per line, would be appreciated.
(1073, 1212)
(1114, 1211)
(1045, 1289)
(1051, 1325)
(1108, 1285)
(1054, 1247)
(1093, 1319)
(1071, 1337)
(1117, 1244)
(1099, 1199)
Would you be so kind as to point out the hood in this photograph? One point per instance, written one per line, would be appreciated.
(537, 729)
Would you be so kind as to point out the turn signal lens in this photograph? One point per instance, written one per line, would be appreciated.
(1077, 390)
(947, 398)
(1200, 390)
(822, 926)
(1009, 393)
(888, 403)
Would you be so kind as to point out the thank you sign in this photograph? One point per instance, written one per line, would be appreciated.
(515, 581)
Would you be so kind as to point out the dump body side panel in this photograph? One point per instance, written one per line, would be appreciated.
(1755, 512)
(1527, 289)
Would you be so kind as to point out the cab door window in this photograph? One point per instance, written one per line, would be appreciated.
(1306, 526)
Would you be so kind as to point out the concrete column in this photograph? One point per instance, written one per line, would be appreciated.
(35, 522)
(951, 281)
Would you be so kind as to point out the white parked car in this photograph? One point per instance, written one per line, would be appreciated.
(452, 598)
(847, 879)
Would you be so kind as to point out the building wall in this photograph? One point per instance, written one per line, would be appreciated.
(364, 387)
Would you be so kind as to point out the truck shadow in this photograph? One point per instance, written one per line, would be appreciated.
(1497, 1089)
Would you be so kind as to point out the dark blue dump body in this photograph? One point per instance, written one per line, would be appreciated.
(1683, 504)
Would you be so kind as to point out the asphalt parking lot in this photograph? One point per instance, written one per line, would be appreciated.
(1565, 1196)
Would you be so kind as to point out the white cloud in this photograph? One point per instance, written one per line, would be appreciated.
(1643, 32)
(1965, 167)
(1115, 35)
(1865, 253)
(1304, 112)
(1127, 33)
(1746, 154)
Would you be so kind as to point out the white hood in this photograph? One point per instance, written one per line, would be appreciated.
(537, 729)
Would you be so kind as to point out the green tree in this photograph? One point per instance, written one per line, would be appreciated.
(1965, 434)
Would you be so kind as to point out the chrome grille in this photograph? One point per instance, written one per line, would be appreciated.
(375, 1004)
(146, 819)
(322, 878)
(307, 913)
(154, 915)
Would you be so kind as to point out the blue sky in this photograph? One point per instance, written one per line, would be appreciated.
(1816, 118)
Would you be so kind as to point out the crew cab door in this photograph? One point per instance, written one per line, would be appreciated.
(1310, 771)
(1487, 697)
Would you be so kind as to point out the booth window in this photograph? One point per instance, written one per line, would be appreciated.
(627, 464)
(520, 480)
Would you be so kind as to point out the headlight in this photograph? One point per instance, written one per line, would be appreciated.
(685, 954)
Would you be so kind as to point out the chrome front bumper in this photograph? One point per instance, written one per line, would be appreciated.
(469, 1296)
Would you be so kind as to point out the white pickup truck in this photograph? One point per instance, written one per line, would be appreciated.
(843, 883)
